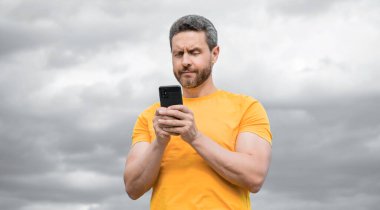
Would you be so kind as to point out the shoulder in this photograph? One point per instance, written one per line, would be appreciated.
(240, 99)
(149, 111)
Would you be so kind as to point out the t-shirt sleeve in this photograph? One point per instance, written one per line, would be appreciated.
(255, 120)
(141, 129)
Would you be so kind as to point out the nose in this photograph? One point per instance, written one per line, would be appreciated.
(186, 62)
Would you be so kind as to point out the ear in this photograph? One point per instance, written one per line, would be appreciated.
(214, 54)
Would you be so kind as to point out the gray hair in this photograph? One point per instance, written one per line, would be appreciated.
(195, 23)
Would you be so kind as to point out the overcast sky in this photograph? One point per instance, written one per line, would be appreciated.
(74, 75)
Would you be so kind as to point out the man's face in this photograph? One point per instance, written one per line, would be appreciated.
(192, 59)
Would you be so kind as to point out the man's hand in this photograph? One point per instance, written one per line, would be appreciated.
(179, 121)
(162, 136)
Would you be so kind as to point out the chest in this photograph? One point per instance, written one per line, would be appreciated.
(219, 123)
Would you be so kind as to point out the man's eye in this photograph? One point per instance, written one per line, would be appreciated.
(179, 54)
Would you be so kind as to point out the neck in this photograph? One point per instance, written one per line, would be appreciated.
(204, 89)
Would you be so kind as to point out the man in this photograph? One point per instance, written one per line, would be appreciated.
(208, 153)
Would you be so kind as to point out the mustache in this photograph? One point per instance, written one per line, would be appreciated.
(182, 71)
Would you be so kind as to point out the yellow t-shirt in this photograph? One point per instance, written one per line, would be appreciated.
(185, 180)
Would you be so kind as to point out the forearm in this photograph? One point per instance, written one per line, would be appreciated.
(141, 172)
(240, 169)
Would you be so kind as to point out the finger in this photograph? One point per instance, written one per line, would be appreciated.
(173, 134)
(164, 112)
(164, 133)
(167, 118)
(160, 111)
(174, 130)
(171, 123)
(181, 108)
(157, 121)
(159, 131)
(175, 114)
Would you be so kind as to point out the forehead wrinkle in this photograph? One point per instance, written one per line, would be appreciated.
(187, 43)
(188, 40)
(186, 48)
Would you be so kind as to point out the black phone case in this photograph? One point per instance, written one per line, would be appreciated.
(170, 95)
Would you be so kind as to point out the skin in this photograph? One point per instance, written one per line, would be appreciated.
(246, 167)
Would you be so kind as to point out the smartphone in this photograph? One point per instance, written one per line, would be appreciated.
(170, 95)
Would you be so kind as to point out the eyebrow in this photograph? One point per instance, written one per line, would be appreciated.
(194, 49)
(189, 50)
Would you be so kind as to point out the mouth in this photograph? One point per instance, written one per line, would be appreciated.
(187, 73)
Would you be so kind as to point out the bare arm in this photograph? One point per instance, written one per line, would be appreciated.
(144, 160)
(142, 167)
(246, 167)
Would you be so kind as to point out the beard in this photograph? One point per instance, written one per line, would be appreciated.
(200, 76)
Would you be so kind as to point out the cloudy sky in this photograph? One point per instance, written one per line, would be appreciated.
(74, 75)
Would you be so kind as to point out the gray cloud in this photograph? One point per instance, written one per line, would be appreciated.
(74, 75)
(302, 7)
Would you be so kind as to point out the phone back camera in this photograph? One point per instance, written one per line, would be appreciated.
(164, 94)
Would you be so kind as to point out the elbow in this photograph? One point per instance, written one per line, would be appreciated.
(133, 194)
(255, 184)
(255, 188)
(131, 189)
